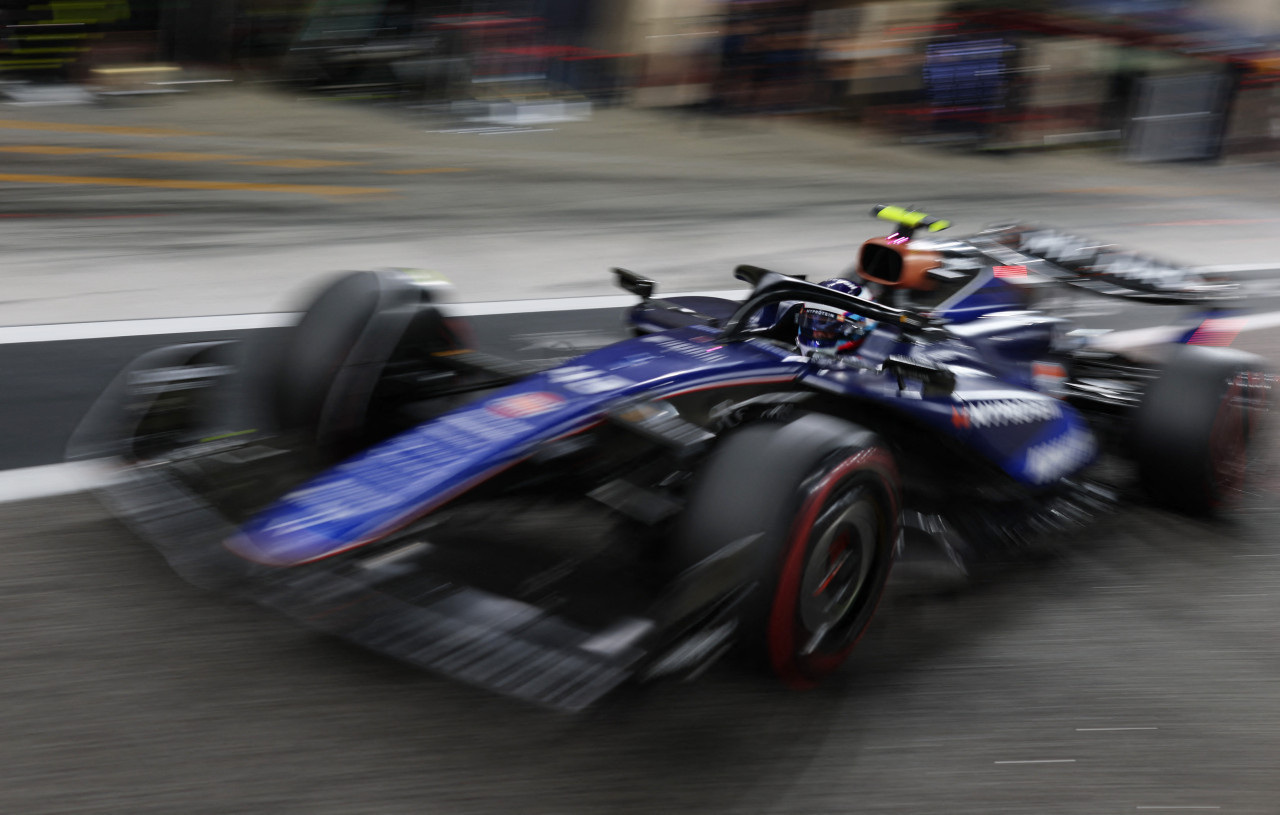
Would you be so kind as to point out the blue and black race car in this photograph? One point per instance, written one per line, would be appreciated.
(736, 475)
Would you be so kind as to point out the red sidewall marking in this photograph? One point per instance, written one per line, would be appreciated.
(784, 623)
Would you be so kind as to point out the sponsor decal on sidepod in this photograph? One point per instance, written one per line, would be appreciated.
(1004, 412)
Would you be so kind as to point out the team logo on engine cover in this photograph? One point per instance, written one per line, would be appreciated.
(523, 405)
(1003, 412)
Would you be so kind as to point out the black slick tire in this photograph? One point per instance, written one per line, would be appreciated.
(820, 499)
(1194, 430)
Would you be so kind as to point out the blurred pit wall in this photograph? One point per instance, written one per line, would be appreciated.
(1051, 80)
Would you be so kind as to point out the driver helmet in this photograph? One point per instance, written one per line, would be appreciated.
(824, 331)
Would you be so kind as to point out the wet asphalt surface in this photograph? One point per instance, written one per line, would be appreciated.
(1137, 672)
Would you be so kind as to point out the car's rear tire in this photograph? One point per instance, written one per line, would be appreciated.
(819, 497)
(1194, 432)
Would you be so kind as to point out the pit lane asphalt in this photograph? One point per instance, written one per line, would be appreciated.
(1135, 673)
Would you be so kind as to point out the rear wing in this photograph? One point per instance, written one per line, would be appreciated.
(1101, 268)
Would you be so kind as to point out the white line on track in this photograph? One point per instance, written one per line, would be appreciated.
(1039, 761)
(574, 303)
(141, 328)
(1103, 729)
(62, 479)
(56, 332)
(28, 483)
(244, 322)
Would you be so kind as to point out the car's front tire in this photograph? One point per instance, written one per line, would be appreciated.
(819, 499)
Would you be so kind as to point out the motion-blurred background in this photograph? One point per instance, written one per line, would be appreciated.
(183, 170)
(1164, 78)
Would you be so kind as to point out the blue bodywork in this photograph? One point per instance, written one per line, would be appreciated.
(996, 408)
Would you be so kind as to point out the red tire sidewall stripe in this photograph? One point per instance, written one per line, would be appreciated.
(783, 622)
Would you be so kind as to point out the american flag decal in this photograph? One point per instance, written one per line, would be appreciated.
(1010, 271)
(1219, 332)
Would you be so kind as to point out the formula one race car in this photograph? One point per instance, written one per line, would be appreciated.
(736, 475)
